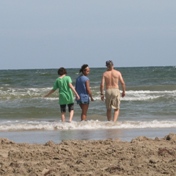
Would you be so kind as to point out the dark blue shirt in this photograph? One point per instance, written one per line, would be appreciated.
(81, 84)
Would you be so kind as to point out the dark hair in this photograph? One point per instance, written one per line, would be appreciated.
(61, 71)
(109, 63)
(83, 68)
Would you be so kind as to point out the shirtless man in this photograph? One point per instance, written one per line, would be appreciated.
(111, 79)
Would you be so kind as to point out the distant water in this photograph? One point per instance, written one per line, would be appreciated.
(150, 101)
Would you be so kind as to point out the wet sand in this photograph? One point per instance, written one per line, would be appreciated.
(140, 156)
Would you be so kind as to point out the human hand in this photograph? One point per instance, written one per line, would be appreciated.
(102, 97)
(77, 97)
(123, 94)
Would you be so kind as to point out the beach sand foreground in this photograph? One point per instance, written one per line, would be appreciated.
(141, 156)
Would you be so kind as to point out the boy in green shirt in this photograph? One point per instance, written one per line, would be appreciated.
(64, 85)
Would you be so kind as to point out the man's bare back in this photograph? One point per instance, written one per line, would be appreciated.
(111, 79)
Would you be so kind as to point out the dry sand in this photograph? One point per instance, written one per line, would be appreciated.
(142, 156)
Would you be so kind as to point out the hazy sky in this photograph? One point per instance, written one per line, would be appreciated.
(69, 33)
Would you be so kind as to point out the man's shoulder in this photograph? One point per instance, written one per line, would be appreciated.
(110, 71)
(105, 73)
(116, 71)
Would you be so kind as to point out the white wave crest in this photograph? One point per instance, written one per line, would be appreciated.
(131, 95)
(88, 125)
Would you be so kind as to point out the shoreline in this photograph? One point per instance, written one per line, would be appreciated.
(57, 136)
(140, 156)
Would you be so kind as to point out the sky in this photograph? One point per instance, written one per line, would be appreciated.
(38, 34)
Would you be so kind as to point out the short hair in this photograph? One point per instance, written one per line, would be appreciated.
(109, 63)
(83, 68)
(61, 71)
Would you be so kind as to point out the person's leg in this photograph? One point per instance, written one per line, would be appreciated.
(116, 114)
(108, 114)
(71, 115)
(63, 116)
(108, 104)
(63, 110)
(114, 103)
(81, 110)
(71, 111)
(117, 104)
(84, 108)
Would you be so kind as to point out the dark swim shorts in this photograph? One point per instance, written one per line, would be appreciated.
(70, 107)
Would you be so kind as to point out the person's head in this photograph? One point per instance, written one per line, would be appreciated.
(62, 71)
(109, 64)
(85, 70)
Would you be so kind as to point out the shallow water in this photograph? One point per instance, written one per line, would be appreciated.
(41, 137)
(149, 104)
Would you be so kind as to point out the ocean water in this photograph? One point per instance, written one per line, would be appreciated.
(149, 107)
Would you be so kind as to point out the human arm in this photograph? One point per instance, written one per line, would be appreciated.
(89, 90)
(123, 85)
(49, 93)
(102, 88)
(73, 89)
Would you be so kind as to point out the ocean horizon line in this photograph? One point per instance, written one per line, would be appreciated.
(13, 69)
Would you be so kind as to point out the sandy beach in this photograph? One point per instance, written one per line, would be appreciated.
(140, 156)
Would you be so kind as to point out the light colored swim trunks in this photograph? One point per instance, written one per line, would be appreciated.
(112, 98)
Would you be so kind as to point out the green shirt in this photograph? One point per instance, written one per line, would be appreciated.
(65, 92)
